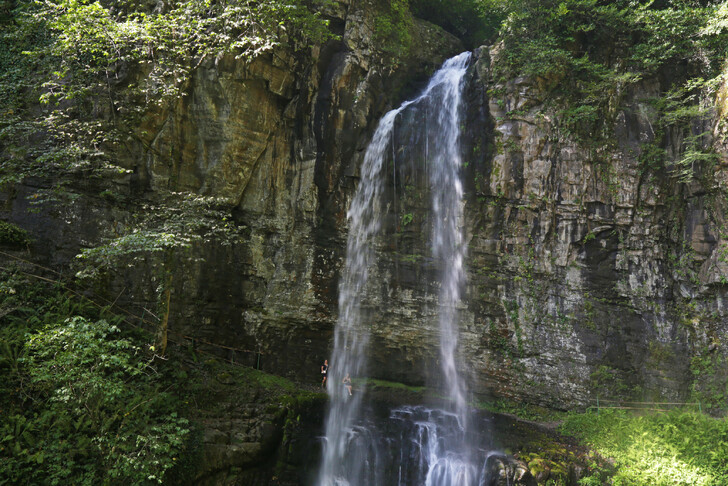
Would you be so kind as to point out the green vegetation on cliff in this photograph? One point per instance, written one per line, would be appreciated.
(79, 78)
(83, 402)
(86, 399)
(475, 22)
(98, 67)
(587, 56)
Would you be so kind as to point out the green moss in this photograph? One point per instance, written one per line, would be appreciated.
(523, 411)
(373, 383)
(411, 258)
(589, 313)
(660, 352)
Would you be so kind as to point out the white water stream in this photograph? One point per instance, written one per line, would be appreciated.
(350, 455)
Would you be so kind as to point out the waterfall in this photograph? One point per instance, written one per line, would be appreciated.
(350, 336)
(352, 452)
(447, 208)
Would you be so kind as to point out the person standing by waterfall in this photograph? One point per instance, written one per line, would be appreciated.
(324, 371)
(347, 383)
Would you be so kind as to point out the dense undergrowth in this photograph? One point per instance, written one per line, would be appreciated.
(661, 449)
(625, 448)
(85, 399)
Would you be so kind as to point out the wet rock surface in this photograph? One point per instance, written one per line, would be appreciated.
(504, 471)
(585, 273)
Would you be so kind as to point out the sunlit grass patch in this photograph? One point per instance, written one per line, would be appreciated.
(675, 448)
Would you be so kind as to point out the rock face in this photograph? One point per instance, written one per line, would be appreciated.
(504, 471)
(586, 274)
(279, 142)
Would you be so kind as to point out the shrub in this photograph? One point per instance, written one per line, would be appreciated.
(13, 236)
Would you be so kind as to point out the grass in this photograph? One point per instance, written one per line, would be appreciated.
(521, 410)
(374, 383)
(669, 449)
(269, 381)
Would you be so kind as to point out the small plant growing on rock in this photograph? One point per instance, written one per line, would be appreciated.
(12, 236)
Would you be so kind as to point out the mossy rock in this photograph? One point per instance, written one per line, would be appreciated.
(225, 378)
(546, 470)
(540, 469)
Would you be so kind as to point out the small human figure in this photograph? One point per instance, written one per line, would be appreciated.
(347, 383)
(324, 370)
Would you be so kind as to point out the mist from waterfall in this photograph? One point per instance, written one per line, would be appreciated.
(351, 451)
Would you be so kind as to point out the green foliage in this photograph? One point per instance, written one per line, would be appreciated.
(675, 448)
(585, 54)
(609, 382)
(475, 22)
(91, 39)
(555, 38)
(173, 224)
(100, 66)
(651, 157)
(85, 370)
(696, 154)
(677, 112)
(13, 236)
(82, 403)
(710, 381)
(85, 402)
(392, 29)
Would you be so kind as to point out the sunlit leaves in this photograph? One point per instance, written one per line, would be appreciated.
(175, 224)
(585, 55)
(98, 67)
(93, 40)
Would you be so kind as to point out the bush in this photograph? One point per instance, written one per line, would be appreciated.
(13, 236)
(475, 22)
(82, 402)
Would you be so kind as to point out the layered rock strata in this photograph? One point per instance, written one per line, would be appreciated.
(586, 273)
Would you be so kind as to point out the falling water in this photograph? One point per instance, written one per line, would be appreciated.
(350, 337)
(350, 452)
(447, 209)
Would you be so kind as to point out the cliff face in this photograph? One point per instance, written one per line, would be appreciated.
(278, 143)
(589, 273)
(586, 275)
